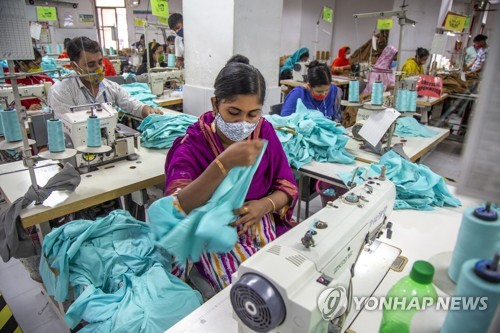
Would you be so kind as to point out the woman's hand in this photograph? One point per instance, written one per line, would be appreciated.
(250, 216)
(34, 107)
(243, 153)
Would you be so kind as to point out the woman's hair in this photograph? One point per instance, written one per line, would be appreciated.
(153, 46)
(171, 38)
(237, 78)
(238, 58)
(37, 54)
(422, 53)
(318, 74)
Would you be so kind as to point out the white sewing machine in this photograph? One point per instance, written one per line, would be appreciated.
(25, 92)
(300, 71)
(122, 139)
(157, 80)
(283, 286)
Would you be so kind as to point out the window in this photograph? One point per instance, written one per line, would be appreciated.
(110, 3)
(113, 30)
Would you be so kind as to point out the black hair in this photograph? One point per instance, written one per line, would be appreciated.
(37, 54)
(81, 44)
(239, 58)
(237, 78)
(318, 74)
(304, 55)
(153, 46)
(480, 38)
(142, 37)
(422, 53)
(174, 19)
(66, 42)
(171, 38)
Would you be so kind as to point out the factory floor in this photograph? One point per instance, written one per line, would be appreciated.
(33, 313)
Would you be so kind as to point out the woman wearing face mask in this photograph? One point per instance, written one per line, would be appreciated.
(30, 66)
(156, 58)
(318, 94)
(382, 71)
(415, 66)
(341, 65)
(230, 136)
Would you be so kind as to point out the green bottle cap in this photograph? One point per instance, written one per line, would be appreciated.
(422, 272)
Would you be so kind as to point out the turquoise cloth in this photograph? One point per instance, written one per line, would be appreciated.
(204, 229)
(408, 126)
(295, 57)
(111, 263)
(142, 92)
(49, 63)
(417, 187)
(160, 131)
(307, 135)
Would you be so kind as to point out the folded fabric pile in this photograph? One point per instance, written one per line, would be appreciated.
(160, 131)
(408, 126)
(49, 63)
(121, 282)
(142, 92)
(417, 187)
(307, 135)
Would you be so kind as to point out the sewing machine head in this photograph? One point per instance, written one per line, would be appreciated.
(300, 71)
(157, 80)
(282, 287)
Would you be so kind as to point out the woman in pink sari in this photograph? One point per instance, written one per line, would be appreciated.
(382, 70)
(232, 135)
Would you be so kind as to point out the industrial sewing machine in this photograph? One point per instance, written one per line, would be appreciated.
(118, 140)
(285, 287)
(25, 92)
(158, 79)
(300, 71)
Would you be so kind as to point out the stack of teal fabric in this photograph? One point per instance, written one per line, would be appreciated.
(408, 126)
(121, 281)
(417, 187)
(160, 131)
(307, 135)
(142, 92)
(49, 63)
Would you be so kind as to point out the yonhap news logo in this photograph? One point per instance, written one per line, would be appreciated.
(332, 302)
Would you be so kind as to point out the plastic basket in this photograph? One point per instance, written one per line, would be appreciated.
(324, 188)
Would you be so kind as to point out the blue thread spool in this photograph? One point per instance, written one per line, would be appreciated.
(412, 100)
(48, 48)
(59, 48)
(1, 122)
(171, 60)
(55, 135)
(93, 132)
(401, 100)
(354, 91)
(478, 278)
(377, 91)
(10, 124)
(112, 51)
(104, 52)
(478, 237)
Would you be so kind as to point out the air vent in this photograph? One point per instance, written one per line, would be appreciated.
(275, 250)
(297, 259)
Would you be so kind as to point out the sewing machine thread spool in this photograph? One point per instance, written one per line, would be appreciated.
(93, 132)
(104, 52)
(10, 125)
(1, 122)
(354, 91)
(112, 51)
(401, 100)
(377, 91)
(412, 100)
(59, 48)
(478, 237)
(48, 48)
(171, 60)
(55, 135)
(478, 279)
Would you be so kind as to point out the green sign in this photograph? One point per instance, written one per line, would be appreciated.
(46, 13)
(163, 20)
(384, 24)
(327, 14)
(467, 22)
(159, 7)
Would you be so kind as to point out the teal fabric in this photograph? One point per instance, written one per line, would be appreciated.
(160, 131)
(295, 57)
(417, 187)
(204, 228)
(307, 135)
(49, 63)
(408, 126)
(142, 92)
(111, 263)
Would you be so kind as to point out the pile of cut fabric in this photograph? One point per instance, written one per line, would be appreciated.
(49, 63)
(121, 281)
(408, 126)
(160, 131)
(417, 187)
(141, 92)
(307, 135)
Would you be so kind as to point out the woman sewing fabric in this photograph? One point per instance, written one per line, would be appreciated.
(382, 71)
(229, 136)
(415, 66)
(341, 64)
(301, 54)
(318, 94)
(156, 58)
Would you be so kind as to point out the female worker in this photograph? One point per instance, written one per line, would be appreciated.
(415, 66)
(341, 64)
(229, 136)
(156, 58)
(318, 94)
(301, 55)
(382, 71)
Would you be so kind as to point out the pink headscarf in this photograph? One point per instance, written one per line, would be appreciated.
(381, 71)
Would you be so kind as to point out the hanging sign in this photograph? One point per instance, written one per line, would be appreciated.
(467, 22)
(454, 22)
(138, 22)
(327, 14)
(163, 20)
(46, 13)
(430, 86)
(384, 24)
(160, 7)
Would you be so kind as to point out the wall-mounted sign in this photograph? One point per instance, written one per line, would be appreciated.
(46, 13)
(87, 18)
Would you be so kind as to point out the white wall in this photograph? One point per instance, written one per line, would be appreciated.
(311, 10)
(290, 26)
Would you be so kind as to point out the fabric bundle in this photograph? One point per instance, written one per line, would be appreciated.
(307, 135)
(417, 187)
(408, 126)
(122, 283)
(160, 131)
(141, 92)
(49, 63)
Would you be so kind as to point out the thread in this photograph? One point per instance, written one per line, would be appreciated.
(402, 100)
(59, 48)
(476, 239)
(1, 122)
(412, 100)
(10, 125)
(112, 51)
(171, 60)
(55, 136)
(48, 48)
(104, 52)
(354, 91)
(377, 91)
(93, 132)
(471, 285)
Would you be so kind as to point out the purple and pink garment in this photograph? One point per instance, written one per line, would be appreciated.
(382, 71)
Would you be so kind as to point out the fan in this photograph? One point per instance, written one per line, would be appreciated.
(133, 3)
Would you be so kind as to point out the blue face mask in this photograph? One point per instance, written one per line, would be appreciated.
(180, 33)
(394, 63)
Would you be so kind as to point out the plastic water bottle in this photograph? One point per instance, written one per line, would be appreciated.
(409, 295)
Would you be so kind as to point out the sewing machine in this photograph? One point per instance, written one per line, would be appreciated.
(300, 71)
(122, 139)
(25, 92)
(157, 80)
(285, 286)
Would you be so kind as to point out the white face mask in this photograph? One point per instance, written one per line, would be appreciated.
(348, 56)
(237, 131)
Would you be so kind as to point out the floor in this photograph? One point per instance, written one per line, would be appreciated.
(34, 314)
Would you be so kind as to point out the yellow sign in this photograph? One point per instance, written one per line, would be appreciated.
(46, 13)
(384, 24)
(138, 22)
(454, 22)
(159, 7)
(163, 20)
(327, 14)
